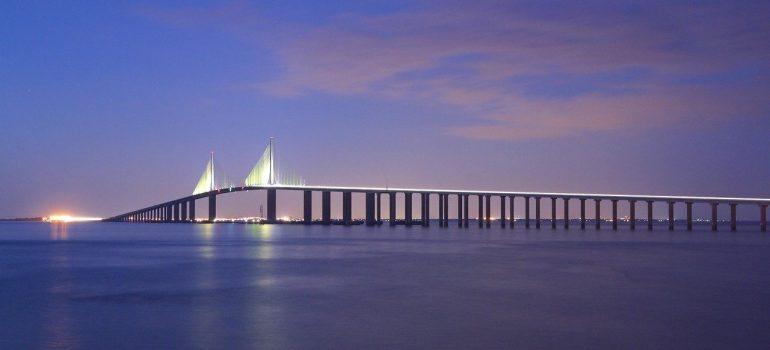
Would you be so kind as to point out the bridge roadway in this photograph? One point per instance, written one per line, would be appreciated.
(183, 209)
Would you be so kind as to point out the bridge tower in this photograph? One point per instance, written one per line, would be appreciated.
(271, 178)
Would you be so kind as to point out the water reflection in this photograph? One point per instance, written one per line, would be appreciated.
(205, 231)
(292, 286)
(264, 248)
(58, 231)
(58, 324)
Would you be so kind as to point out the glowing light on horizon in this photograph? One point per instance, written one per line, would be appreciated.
(69, 218)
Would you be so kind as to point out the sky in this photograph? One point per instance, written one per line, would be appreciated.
(106, 107)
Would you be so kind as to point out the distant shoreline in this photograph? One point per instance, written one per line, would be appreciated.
(35, 219)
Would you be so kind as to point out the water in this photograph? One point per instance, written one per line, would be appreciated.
(231, 286)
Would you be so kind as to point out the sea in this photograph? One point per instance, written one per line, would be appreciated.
(113, 286)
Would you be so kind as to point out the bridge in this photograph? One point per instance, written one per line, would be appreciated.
(265, 177)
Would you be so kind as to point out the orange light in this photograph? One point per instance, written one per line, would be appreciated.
(68, 218)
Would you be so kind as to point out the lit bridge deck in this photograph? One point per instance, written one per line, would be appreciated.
(183, 209)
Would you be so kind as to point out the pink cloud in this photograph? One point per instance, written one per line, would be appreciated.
(396, 56)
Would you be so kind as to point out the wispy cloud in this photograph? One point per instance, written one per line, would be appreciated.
(531, 69)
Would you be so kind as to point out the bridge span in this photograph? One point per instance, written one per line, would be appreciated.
(183, 209)
(266, 177)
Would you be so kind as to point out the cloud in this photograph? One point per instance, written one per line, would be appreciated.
(536, 69)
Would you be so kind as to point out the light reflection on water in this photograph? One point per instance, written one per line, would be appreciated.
(261, 286)
(58, 231)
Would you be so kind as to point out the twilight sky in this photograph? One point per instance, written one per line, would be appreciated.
(109, 106)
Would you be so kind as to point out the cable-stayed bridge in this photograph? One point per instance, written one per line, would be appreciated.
(266, 176)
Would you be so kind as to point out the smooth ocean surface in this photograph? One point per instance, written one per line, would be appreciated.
(234, 286)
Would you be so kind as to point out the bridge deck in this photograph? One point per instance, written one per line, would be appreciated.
(565, 195)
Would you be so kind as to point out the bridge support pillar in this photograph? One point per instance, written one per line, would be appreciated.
(176, 212)
(440, 210)
(307, 201)
(598, 203)
(445, 203)
(689, 215)
(614, 214)
(192, 210)
(271, 205)
(488, 209)
(370, 212)
(733, 220)
(424, 209)
(510, 210)
(553, 213)
(481, 211)
(649, 215)
(427, 209)
(212, 207)
(503, 219)
(347, 208)
(446, 210)
(460, 216)
(582, 213)
(763, 217)
(408, 209)
(392, 208)
(526, 212)
(714, 216)
(379, 208)
(632, 214)
(466, 213)
(537, 212)
(670, 216)
(183, 205)
(566, 212)
(326, 208)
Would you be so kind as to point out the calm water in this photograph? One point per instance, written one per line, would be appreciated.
(130, 286)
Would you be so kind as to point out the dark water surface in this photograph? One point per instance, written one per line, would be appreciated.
(232, 286)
